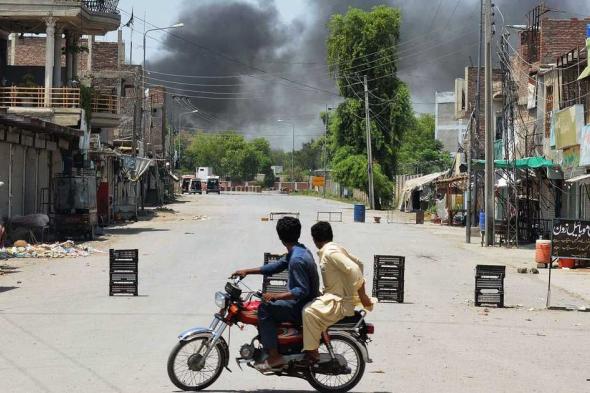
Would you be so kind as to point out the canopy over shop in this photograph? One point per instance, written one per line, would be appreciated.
(450, 201)
(417, 190)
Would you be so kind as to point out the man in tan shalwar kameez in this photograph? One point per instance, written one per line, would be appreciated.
(344, 288)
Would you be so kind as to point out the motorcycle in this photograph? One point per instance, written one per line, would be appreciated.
(201, 354)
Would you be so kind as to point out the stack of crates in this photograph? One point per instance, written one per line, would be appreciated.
(388, 278)
(123, 277)
(276, 283)
(489, 285)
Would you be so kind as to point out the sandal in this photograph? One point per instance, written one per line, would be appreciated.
(265, 367)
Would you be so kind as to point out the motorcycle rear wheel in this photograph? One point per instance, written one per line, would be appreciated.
(349, 349)
(185, 355)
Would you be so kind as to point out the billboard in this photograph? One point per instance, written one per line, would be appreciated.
(568, 124)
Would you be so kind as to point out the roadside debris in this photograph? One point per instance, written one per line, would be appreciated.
(56, 250)
(200, 218)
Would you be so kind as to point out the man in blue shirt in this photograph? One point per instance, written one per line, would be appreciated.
(303, 286)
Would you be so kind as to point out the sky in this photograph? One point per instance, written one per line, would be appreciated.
(286, 38)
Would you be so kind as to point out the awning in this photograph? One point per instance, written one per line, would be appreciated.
(521, 163)
(141, 165)
(577, 178)
(418, 182)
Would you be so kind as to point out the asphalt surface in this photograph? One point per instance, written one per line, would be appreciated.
(60, 332)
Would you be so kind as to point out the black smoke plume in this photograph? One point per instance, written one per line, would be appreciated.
(250, 40)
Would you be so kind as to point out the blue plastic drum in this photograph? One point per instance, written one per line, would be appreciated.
(359, 213)
(482, 221)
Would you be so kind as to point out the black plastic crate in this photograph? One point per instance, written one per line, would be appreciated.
(123, 272)
(388, 278)
(489, 285)
(278, 282)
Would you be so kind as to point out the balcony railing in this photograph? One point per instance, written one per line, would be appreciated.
(66, 97)
(102, 6)
(105, 104)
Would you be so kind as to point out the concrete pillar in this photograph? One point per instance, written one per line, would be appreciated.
(69, 58)
(90, 47)
(121, 46)
(13, 38)
(49, 57)
(76, 57)
(57, 82)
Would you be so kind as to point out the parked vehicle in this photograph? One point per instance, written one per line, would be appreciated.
(196, 186)
(201, 354)
(213, 185)
(186, 183)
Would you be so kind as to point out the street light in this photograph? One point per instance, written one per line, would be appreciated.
(292, 149)
(175, 26)
(328, 109)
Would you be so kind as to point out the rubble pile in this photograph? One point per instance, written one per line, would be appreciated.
(55, 250)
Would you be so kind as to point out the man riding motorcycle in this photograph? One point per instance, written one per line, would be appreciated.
(303, 286)
(344, 288)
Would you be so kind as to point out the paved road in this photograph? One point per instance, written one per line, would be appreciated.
(59, 332)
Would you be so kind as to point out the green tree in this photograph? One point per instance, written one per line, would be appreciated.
(229, 154)
(420, 152)
(365, 43)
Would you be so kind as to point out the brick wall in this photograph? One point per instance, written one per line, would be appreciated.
(471, 99)
(105, 56)
(30, 51)
(559, 36)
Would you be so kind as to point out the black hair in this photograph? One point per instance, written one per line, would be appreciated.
(322, 232)
(289, 229)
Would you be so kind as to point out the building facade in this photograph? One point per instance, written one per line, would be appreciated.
(447, 129)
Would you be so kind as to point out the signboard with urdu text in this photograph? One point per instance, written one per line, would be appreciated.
(571, 239)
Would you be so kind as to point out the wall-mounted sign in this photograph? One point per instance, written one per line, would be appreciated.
(571, 239)
(585, 146)
(571, 158)
(318, 181)
(568, 124)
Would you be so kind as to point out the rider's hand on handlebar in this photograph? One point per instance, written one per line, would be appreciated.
(268, 297)
(239, 273)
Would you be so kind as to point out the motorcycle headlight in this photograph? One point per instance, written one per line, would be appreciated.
(220, 299)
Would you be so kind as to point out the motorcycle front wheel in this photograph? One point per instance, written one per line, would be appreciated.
(348, 349)
(189, 371)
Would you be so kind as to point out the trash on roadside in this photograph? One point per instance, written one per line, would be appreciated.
(534, 270)
(55, 250)
(200, 218)
(522, 270)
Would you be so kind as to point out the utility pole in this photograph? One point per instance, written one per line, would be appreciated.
(489, 134)
(369, 147)
(326, 150)
(474, 120)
